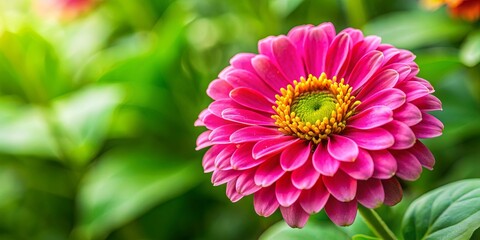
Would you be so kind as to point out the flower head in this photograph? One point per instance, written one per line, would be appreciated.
(466, 9)
(318, 120)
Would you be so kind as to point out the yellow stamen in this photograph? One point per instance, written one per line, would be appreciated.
(289, 122)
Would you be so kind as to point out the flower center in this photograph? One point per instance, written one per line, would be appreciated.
(314, 108)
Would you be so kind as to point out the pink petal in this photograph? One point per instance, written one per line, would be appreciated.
(408, 114)
(243, 61)
(323, 162)
(341, 213)
(222, 75)
(211, 121)
(272, 146)
(370, 193)
(372, 139)
(217, 107)
(221, 135)
(222, 161)
(393, 191)
(265, 47)
(232, 193)
(219, 89)
(355, 34)
(403, 135)
(269, 72)
(265, 201)
(338, 55)
(392, 98)
(251, 99)
(385, 79)
(314, 199)
(242, 158)
(424, 156)
(316, 46)
(201, 116)
(295, 156)
(362, 168)
(245, 184)
(429, 127)
(413, 90)
(268, 173)
(365, 68)
(401, 56)
(294, 216)
(202, 140)
(373, 117)
(408, 166)
(364, 46)
(286, 193)
(424, 83)
(242, 78)
(287, 58)
(428, 103)
(342, 148)
(247, 117)
(297, 36)
(305, 177)
(341, 186)
(208, 161)
(253, 134)
(220, 177)
(385, 165)
(402, 69)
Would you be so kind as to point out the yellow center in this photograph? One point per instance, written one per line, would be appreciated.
(314, 108)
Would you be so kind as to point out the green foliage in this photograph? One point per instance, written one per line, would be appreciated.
(97, 111)
(313, 230)
(449, 212)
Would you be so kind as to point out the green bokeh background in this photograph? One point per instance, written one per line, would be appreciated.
(97, 110)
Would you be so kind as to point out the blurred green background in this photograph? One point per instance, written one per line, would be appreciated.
(97, 108)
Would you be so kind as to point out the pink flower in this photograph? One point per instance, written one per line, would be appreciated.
(318, 120)
(63, 9)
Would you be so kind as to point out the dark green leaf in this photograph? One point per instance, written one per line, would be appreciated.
(449, 212)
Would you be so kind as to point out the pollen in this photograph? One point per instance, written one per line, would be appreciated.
(314, 108)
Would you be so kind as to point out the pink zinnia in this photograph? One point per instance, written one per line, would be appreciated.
(318, 120)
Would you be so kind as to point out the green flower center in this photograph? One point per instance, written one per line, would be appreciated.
(314, 106)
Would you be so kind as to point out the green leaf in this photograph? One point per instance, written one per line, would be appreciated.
(24, 131)
(364, 237)
(470, 50)
(449, 212)
(416, 29)
(313, 230)
(125, 184)
(83, 119)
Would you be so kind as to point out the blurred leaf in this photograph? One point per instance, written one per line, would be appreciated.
(415, 29)
(436, 63)
(470, 49)
(448, 212)
(364, 237)
(23, 131)
(29, 67)
(83, 119)
(126, 183)
(313, 230)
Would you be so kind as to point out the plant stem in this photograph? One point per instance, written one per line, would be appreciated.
(376, 224)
